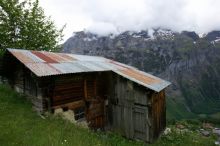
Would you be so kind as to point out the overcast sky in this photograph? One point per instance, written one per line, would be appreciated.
(114, 16)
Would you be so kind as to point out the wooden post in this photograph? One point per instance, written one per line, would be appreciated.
(85, 89)
(95, 88)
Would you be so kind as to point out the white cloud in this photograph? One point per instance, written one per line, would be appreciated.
(105, 16)
(69, 12)
(103, 28)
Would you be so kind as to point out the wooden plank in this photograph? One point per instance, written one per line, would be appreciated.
(95, 88)
(128, 122)
(85, 89)
(71, 105)
(158, 113)
(141, 129)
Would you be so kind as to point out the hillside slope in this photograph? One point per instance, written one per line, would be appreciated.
(21, 126)
(190, 62)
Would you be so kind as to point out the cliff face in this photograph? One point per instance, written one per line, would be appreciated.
(190, 62)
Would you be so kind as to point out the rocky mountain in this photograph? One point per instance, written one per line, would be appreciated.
(188, 60)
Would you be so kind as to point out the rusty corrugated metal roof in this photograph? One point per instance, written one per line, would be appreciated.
(42, 69)
(44, 63)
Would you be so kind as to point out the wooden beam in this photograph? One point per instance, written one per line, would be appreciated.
(85, 89)
(71, 105)
(95, 87)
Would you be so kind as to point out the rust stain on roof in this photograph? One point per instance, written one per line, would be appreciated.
(44, 57)
(67, 57)
(138, 76)
(22, 57)
(56, 56)
(118, 64)
(42, 69)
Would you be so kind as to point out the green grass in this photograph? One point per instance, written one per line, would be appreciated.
(177, 110)
(216, 116)
(212, 118)
(21, 126)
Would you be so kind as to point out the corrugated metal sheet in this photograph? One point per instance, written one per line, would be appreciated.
(47, 63)
(22, 57)
(26, 56)
(34, 58)
(88, 58)
(47, 58)
(139, 76)
(121, 65)
(58, 57)
(93, 66)
(144, 79)
(42, 69)
(67, 57)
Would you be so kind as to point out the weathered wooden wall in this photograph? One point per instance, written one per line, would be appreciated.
(27, 83)
(134, 111)
(84, 91)
(128, 109)
(158, 113)
(95, 96)
(19, 79)
(14, 71)
(67, 89)
(34, 92)
(9, 65)
(23, 81)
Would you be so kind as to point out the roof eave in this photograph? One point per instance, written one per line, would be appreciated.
(155, 87)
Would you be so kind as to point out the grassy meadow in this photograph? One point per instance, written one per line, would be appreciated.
(21, 126)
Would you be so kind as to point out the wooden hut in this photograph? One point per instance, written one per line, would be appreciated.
(106, 94)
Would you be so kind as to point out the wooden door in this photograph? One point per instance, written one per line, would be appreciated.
(141, 127)
(95, 114)
(94, 93)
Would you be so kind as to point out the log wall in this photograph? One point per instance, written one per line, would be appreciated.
(67, 89)
(81, 91)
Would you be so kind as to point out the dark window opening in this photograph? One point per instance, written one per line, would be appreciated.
(114, 101)
(139, 104)
(65, 109)
(79, 113)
